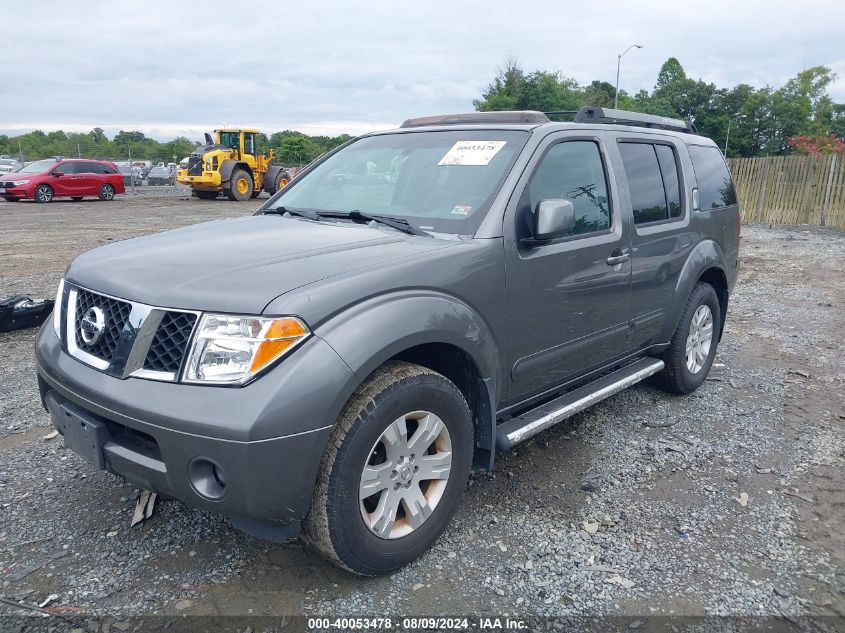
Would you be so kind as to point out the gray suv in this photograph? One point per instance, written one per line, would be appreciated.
(336, 365)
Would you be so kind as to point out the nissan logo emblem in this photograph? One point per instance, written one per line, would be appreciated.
(93, 325)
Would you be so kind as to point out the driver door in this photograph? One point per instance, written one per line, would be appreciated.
(567, 298)
(62, 179)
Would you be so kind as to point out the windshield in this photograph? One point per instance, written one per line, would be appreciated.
(440, 181)
(230, 139)
(37, 167)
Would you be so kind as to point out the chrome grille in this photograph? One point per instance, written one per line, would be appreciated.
(170, 342)
(125, 338)
(116, 315)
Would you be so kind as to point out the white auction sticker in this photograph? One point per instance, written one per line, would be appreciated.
(472, 153)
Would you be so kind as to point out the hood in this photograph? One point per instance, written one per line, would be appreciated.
(238, 265)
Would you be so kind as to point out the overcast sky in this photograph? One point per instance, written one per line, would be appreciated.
(326, 67)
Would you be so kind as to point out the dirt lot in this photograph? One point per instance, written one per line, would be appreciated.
(727, 502)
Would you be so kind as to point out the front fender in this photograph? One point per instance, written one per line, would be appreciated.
(706, 254)
(228, 166)
(372, 332)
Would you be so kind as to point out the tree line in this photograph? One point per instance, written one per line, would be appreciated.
(762, 120)
(292, 148)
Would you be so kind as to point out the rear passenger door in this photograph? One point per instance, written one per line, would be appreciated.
(655, 169)
(86, 180)
(567, 299)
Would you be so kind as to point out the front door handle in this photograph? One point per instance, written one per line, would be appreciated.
(615, 260)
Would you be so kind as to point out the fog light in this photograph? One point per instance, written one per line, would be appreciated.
(207, 478)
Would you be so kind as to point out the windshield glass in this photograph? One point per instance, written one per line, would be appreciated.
(440, 181)
(230, 139)
(37, 167)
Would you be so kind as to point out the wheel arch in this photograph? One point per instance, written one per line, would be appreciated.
(706, 262)
(229, 166)
(432, 330)
(269, 183)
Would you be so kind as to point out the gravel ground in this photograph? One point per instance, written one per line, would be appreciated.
(726, 502)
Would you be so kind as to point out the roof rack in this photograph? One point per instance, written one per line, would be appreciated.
(588, 114)
(522, 117)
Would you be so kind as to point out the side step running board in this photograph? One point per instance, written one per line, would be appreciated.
(529, 424)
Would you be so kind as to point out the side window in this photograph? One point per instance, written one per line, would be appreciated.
(645, 182)
(574, 170)
(65, 168)
(671, 179)
(84, 168)
(715, 186)
(249, 144)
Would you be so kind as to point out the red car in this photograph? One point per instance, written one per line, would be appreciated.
(74, 178)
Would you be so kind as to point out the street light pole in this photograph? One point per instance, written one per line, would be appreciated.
(727, 137)
(618, 64)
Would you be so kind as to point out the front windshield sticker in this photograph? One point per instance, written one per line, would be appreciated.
(472, 153)
(462, 209)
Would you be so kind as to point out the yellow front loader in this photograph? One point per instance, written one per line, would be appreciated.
(230, 164)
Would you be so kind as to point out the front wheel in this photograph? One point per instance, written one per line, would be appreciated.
(43, 193)
(394, 470)
(106, 192)
(693, 346)
(241, 186)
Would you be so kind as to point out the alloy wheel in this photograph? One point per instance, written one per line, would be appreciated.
(43, 194)
(405, 475)
(699, 339)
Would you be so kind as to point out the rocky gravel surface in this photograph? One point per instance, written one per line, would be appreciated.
(726, 502)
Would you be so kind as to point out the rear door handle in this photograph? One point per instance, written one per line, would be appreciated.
(615, 260)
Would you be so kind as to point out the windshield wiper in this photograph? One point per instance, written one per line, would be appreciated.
(303, 213)
(400, 224)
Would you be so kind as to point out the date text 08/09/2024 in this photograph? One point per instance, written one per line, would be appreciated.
(418, 623)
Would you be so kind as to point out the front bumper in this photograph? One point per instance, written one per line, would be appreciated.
(267, 438)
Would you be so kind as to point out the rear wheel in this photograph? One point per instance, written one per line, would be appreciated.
(240, 186)
(43, 193)
(106, 192)
(205, 195)
(394, 470)
(693, 345)
(282, 179)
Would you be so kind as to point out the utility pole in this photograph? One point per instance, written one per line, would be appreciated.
(131, 175)
(20, 151)
(727, 137)
(78, 151)
(618, 64)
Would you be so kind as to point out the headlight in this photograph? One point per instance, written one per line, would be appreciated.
(57, 308)
(234, 349)
(18, 183)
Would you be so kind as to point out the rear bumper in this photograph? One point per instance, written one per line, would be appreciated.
(156, 433)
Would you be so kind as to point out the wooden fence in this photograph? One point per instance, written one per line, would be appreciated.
(791, 189)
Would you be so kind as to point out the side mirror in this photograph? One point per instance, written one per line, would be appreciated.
(553, 217)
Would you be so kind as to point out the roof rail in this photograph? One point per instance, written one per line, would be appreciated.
(522, 116)
(588, 114)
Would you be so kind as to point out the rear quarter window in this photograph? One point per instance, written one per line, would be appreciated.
(715, 186)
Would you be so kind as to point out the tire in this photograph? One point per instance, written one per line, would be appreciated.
(205, 195)
(76, 198)
(255, 193)
(241, 183)
(685, 373)
(344, 527)
(282, 179)
(106, 192)
(43, 194)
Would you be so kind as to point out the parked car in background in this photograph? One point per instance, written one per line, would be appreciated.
(8, 164)
(44, 180)
(160, 176)
(131, 176)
